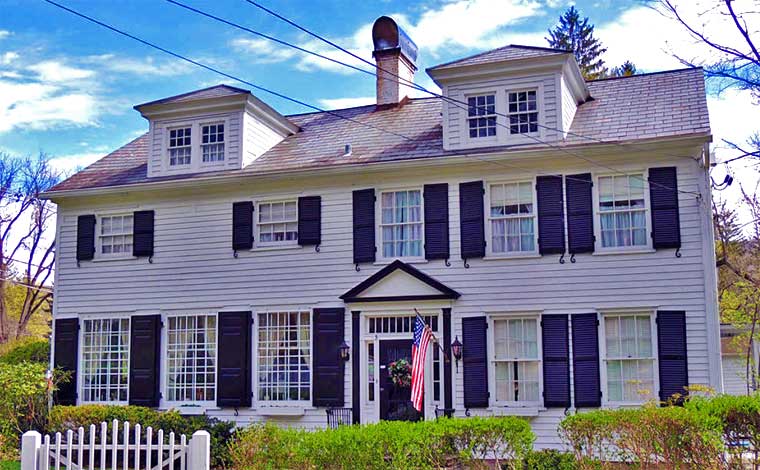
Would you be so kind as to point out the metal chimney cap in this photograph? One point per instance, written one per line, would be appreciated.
(388, 35)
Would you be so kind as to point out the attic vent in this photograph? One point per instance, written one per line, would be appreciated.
(347, 152)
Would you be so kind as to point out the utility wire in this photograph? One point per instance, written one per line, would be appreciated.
(217, 71)
(28, 286)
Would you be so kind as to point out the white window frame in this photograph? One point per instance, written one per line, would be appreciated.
(257, 224)
(224, 142)
(489, 230)
(273, 404)
(169, 148)
(599, 248)
(603, 355)
(99, 236)
(509, 114)
(185, 406)
(80, 361)
(379, 224)
(495, 115)
(196, 152)
(491, 345)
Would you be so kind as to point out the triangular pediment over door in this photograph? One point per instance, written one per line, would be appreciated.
(399, 281)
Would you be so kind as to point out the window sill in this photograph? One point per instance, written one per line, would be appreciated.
(104, 259)
(276, 247)
(191, 410)
(500, 256)
(637, 251)
(283, 410)
(384, 261)
(515, 410)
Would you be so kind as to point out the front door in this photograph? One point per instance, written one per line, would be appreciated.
(395, 401)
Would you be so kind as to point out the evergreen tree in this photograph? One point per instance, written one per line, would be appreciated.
(575, 34)
(625, 70)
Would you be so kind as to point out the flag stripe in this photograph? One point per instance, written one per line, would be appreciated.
(422, 335)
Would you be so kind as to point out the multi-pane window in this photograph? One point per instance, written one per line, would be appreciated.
(622, 211)
(105, 360)
(401, 223)
(116, 235)
(513, 218)
(212, 143)
(516, 360)
(191, 358)
(278, 222)
(284, 356)
(629, 357)
(523, 112)
(180, 146)
(481, 115)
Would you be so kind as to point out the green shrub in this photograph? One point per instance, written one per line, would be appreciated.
(63, 418)
(550, 460)
(26, 350)
(388, 444)
(672, 436)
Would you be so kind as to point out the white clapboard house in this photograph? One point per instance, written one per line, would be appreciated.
(254, 266)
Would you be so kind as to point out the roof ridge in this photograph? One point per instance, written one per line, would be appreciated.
(199, 90)
(646, 74)
(517, 46)
(418, 98)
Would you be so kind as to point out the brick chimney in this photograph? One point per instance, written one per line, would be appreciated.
(395, 54)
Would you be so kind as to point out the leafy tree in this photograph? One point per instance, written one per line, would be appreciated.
(625, 70)
(575, 34)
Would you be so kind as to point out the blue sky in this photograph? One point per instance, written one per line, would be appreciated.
(67, 87)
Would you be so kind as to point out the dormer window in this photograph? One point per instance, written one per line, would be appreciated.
(180, 146)
(481, 115)
(523, 112)
(212, 142)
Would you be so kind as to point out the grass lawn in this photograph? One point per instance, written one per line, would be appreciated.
(10, 465)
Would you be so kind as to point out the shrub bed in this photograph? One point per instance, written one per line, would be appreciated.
(388, 444)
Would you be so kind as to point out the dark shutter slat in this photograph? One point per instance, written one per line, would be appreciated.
(144, 360)
(586, 360)
(663, 196)
(329, 327)
(142, 233)
(234, 339)
(472, 220)
(580, 213)
(85, 237)
(242, 225)
(551, 220)
(554, 332)
(436, 221)
(671, 347)
(364, 225)
(309, 220)
(474, 362)
(65, 357)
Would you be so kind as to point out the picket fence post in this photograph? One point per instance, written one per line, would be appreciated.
(200, 450)
(30, 450)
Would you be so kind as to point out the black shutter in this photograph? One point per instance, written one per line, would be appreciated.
(580, 213)
(233, 386)
(586, 360)
(144, 360)
(66, 347)
(364, 225)
(436, 221)
(142, 233)
(671, 347)
(85, 237)
(475, 362)
(329, 326)
(555, 342)
(551, 223)
(471, 220)
(663, 195)
(309, 220)
(242, 225)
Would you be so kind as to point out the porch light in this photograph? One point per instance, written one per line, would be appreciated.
(344, 349)
(456, 350)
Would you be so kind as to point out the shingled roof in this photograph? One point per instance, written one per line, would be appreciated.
(647, 106)
(502, 54)
(216, 91)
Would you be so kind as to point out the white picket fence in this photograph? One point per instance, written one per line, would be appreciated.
(92, 450)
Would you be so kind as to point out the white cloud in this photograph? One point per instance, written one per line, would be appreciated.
(147, 66)
(4, 33)
(54, 71)
(44, 106)
(8, 57)
(263, 51)
(342, 103)
(68, 164)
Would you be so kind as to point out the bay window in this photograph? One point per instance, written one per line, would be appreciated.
(622, 211)
(191, 358)
(629, 357)
(284, 357)
(512, 218)
(401, 223)
(516, 360)
(105, 360)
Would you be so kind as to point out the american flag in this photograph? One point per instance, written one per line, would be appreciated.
(422, 335)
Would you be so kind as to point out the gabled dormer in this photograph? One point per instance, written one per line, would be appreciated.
(515, 95)
(213, 129)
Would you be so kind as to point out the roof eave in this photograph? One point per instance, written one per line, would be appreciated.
(509, 66)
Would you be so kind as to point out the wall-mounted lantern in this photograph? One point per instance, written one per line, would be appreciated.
(344, 351)
(456, 350)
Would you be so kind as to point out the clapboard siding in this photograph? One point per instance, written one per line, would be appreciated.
(257, 138)
(194, 270)
(568, 104)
